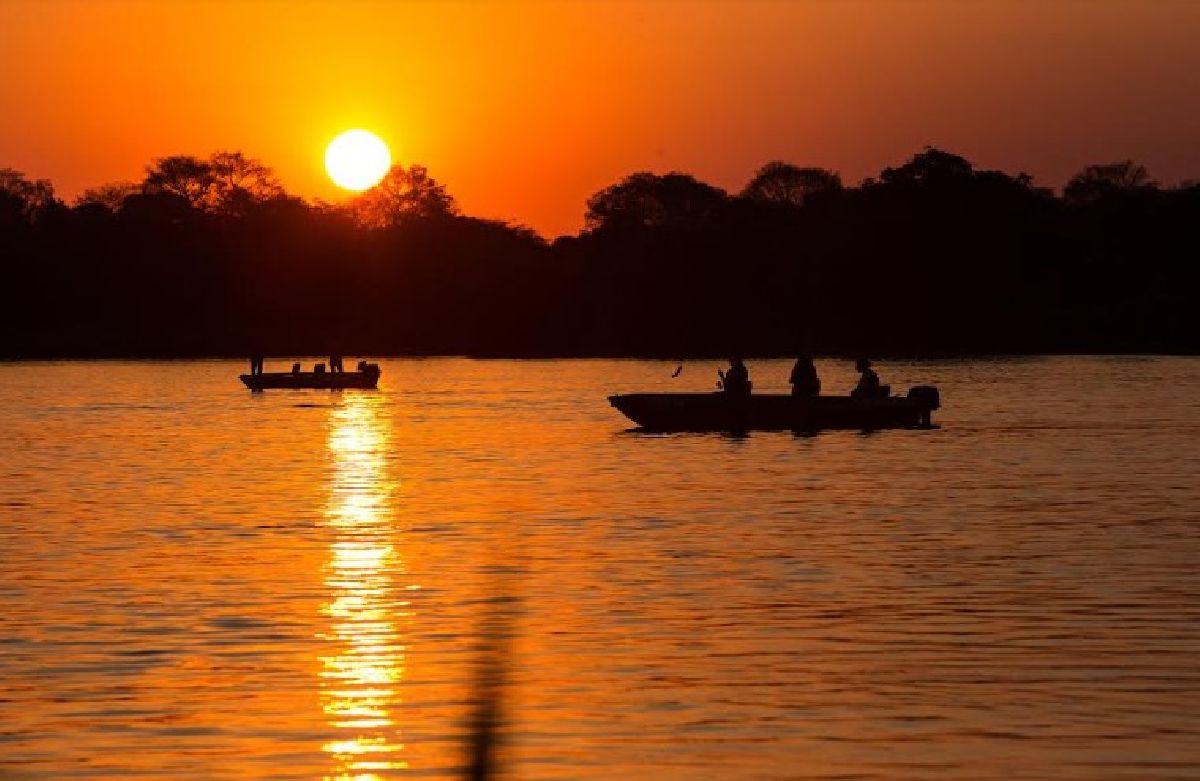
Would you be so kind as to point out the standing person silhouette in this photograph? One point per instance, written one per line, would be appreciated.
(335, 363)
(804, 379)
(256, 362)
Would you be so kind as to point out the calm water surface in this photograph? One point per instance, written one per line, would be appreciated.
(197, 582)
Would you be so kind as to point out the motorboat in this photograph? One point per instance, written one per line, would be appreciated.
(723, 411)
(366, 378)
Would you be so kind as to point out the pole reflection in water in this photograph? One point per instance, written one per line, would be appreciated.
(360, 680)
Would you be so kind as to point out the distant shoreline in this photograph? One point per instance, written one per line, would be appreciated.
(932, 258)
(932, 357)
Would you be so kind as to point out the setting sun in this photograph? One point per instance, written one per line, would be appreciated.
(357, 160)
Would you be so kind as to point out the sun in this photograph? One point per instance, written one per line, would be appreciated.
(357, 160)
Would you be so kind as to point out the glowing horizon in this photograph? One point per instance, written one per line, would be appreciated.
(523, 110)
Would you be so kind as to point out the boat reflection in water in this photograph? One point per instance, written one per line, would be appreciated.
(361, 679)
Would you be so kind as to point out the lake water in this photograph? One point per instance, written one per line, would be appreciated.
(198, 582)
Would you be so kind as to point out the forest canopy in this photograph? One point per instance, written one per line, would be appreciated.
(211, 256)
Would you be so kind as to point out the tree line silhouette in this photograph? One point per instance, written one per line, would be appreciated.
(933, 257)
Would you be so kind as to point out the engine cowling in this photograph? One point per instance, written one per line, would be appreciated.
(927, 395)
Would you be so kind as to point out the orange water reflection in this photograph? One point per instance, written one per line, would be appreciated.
(361, 679)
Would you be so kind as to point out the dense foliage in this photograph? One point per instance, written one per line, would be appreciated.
(212, 257)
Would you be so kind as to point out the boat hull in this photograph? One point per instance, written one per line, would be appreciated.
(362, 380)
(766, 412)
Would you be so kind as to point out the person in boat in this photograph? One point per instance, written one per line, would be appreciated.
(736, 379)
(335, 363)
(868, 381)
(804, 379)
(256, 362)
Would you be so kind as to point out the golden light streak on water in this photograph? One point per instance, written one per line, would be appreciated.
(361, 679)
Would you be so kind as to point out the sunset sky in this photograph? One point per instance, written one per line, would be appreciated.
(524, 109)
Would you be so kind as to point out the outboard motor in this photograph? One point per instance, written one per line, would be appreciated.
(926, 394)
(929, 399)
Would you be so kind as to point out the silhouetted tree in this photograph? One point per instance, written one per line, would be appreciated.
(239, 182)
(647, 200)
(931, 166)
(783, 183)
(1099, 181)
(109, 196)
(183, 176)
(402, 195)
(24, 199)
(932, 256)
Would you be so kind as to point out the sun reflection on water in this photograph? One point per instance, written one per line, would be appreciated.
(360, 680)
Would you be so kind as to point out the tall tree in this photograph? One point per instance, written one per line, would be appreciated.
(183, 176)
(1099, 181)
(238, 182)
(24, 199)
(404, 194)
(929, 167)
(787, 184)
(647, 200)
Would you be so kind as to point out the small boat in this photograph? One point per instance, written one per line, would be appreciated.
(367, 377)
(777, 412)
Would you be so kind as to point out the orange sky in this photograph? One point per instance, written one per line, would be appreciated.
(524, 109)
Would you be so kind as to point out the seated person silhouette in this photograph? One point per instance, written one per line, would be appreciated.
(736, 380)
(868, 382)
(804, 379)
